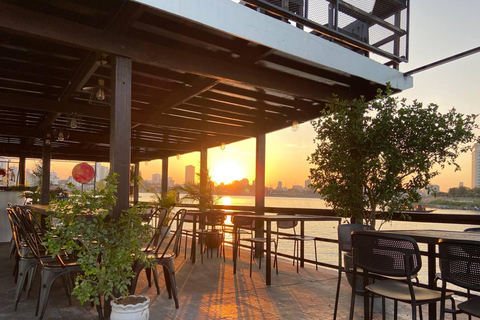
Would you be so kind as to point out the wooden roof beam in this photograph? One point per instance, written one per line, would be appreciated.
(18, 20)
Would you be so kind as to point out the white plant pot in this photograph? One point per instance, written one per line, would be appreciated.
(137, 311)
(165, 230)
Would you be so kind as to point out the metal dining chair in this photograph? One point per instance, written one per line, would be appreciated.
(163, 253)
(297, 239)
(345, 246)
(389, 256)
(460, 266)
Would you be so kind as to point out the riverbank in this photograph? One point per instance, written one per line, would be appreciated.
(452, 203)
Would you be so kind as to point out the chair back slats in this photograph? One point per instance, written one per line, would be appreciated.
(389, 255)
(460, 263)
(156, 243)
(243, 222)
(345, 234)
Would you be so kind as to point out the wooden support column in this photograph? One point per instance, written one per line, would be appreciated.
(203, 172)
(21, 170)
(135, 182)
(165, 175)
(45, 192)
(260, 188)
(120, 129)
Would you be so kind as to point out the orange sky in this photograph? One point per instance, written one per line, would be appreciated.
(451, 85)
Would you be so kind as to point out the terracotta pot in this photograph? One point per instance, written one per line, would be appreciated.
(137, 311)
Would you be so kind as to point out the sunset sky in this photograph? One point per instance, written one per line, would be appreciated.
(438, 29)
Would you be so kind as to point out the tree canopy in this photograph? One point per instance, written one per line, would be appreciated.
(374, 156)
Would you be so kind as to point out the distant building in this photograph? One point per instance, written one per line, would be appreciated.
(476, 165)
(279, 185)
(156, 178)
(171, 182)
(297, 187)
(460, 184)
(307, 183)
(101, 172)
(435, 188)
(190, 174)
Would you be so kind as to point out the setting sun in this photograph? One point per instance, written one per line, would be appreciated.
(226, 172)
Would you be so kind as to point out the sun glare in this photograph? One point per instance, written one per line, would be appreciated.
(226, 172)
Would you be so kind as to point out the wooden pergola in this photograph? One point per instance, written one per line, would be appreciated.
(173, 85)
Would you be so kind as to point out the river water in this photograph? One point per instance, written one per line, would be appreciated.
(328, 252)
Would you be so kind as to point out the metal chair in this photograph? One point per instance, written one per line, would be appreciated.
(245, 227)
(389, 256)
(164, 258)
(345, 246)
(460, 266)
(212, 234)
(52, 267)
(296, 238)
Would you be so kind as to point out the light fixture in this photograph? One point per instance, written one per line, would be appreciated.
(74, 120)
(178, 156)
(60, 134)
(47, 139)
(295, 126)
(99, 95)
(222, 146)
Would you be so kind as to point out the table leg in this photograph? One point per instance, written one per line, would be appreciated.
(193, 251)
(235, 248)
(268, 265)
(432, 307)
(302, 244)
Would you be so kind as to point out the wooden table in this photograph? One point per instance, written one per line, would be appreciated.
(268, 219)
(431, 238)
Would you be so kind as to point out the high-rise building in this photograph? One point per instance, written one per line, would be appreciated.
(190, 174)
(156, 178)
(476, 165)
(279, 185)
(101, 172)
(307, 183)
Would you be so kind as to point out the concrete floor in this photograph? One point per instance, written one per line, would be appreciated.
(211, 291)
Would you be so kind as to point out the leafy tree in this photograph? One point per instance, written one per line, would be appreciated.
(374, 156)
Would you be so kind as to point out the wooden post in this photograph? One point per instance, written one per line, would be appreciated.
(21, 170)
(260, 188)
(203, 172)
(135, 183)
(165, 175)
(45, 191)
(120, 129)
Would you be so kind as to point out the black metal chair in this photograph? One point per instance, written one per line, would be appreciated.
(345, 246)
(164, 258)
(460, 266)
(297, 240)
(52, 267)
(249, 224)
(245, 228)
(389, 256)
(211, 235)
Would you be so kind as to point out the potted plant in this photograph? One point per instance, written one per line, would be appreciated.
(372, 157)
(106, 248)
(168, 201)
(205, 196)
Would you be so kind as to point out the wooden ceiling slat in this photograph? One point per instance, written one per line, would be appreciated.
(40, 25)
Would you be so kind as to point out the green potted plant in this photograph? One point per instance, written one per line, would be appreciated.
(106, 248)
(205, 196)
(372, 157)
(168, 201)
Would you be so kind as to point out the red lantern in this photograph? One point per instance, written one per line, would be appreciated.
(3, 173)
(83, 172)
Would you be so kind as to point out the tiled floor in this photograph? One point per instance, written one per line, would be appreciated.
(211, 291)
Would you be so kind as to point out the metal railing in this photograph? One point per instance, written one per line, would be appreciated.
(371, 26)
